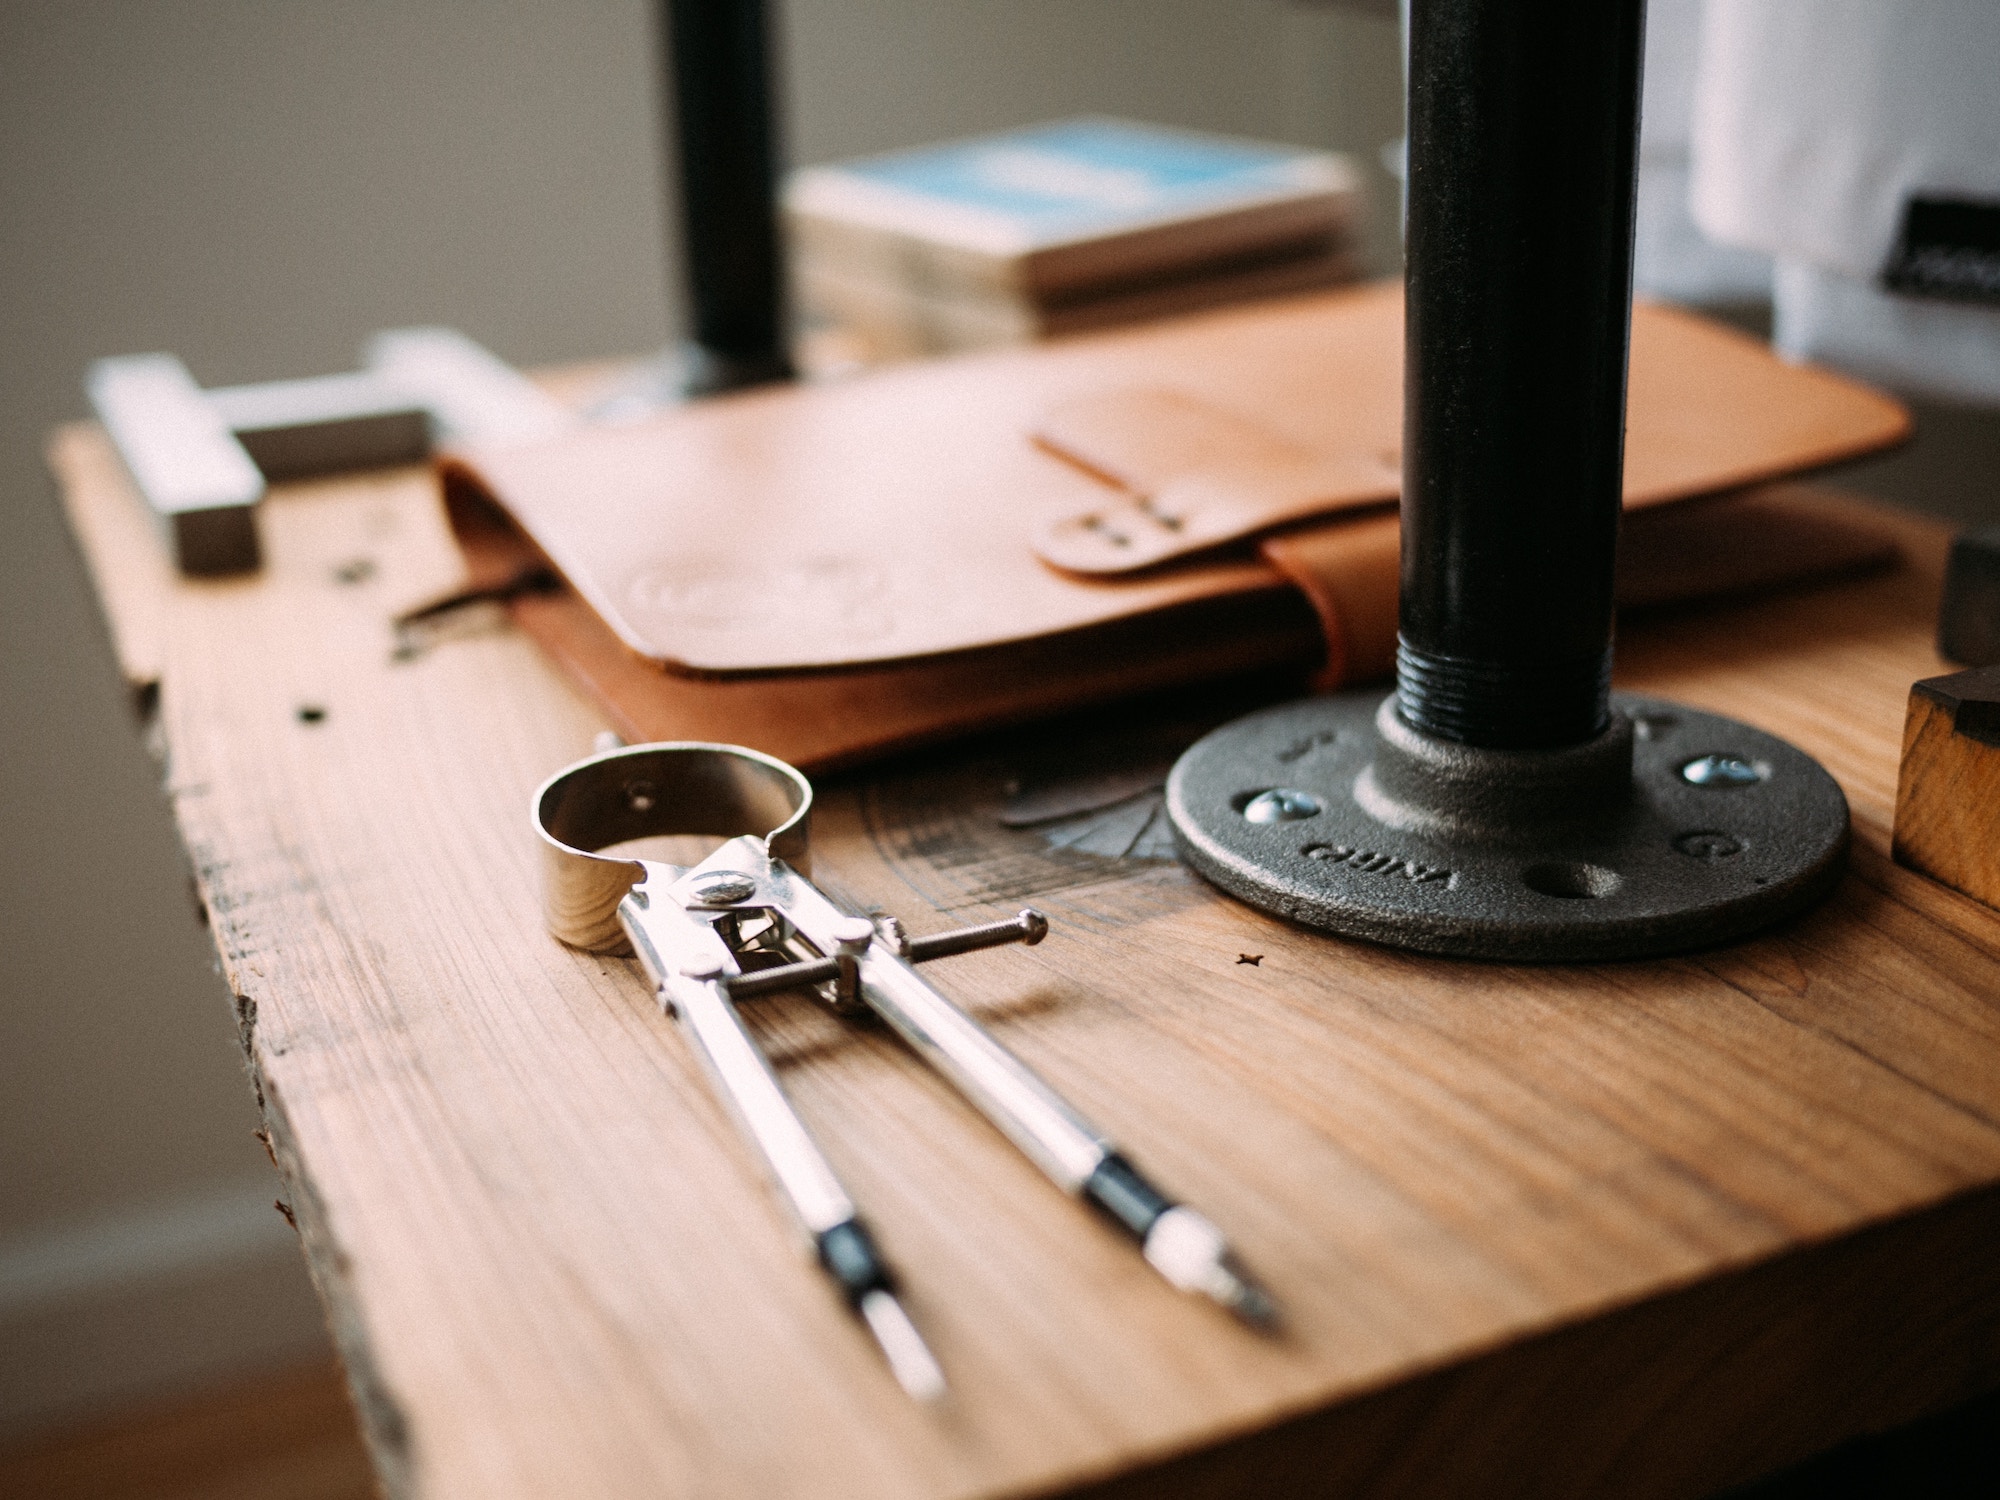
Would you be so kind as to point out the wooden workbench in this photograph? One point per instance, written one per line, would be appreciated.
(1637, 1229)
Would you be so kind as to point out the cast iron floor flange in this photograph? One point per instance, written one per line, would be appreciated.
(1276, 809)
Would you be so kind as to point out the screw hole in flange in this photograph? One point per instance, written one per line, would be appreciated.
(1708, 843)
(1652, 726)
(1571, 882)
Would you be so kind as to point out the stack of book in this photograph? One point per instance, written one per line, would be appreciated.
(1058, 228)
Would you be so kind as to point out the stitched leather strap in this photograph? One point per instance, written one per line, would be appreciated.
(1189, 476)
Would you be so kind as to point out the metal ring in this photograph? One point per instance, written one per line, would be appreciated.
(645, 791)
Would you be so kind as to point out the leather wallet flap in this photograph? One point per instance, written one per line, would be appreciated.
(1189, 476)
(1708, 410)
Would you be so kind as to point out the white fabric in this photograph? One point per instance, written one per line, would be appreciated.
(1672, 258)
(1666, 106)
(1813, 123)
(1947, 350)
(1815, 119)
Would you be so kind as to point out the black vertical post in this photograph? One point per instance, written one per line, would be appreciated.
(1523, 143)
(718, 66)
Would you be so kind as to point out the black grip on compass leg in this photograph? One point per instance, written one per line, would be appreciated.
(1117, 1190)
(848, 1252)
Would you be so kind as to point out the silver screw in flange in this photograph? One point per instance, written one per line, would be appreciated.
(1281, 805)
(1721, 771)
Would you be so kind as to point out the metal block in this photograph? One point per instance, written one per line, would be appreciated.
(326, 424)
(202, 459)
(471, 394)
(193, 473)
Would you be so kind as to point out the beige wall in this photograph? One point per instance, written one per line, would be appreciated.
(256, 186)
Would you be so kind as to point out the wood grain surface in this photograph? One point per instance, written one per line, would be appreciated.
(1639, 1229)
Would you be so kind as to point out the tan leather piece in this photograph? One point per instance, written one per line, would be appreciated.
(1774, 535)
(872, 520)
(1707, 549)
(1189, 476)
(822, 720)
(887, 517)
(1709, 410)
(1737, 543)
(1346, 569)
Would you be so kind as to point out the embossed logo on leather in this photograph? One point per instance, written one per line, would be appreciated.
(846, 596)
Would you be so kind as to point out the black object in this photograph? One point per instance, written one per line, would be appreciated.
(1949, 248)
(718, 64)
(1969, 616)
(1523, 150)
(849, 1254)
(1502, 804)
(1117, 1189)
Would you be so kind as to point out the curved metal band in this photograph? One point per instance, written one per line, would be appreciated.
(646, 791)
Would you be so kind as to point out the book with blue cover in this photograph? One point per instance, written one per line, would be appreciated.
(1022, 223)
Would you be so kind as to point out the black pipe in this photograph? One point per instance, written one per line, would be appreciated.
(1523, 144)
(718, 70)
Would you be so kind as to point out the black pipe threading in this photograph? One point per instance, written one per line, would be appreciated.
(717, 64)
(1523, 141)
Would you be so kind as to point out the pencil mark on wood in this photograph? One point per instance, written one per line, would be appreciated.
(1030, 816)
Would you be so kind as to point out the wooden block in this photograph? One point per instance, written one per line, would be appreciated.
(1948, 792)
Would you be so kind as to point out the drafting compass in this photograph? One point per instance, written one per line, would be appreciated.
(746, 921)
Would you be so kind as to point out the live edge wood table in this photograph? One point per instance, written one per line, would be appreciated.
(1640, 1229)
